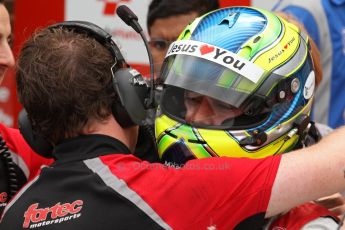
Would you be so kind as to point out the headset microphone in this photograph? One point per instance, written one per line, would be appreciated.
(132, 20)
(129, 18)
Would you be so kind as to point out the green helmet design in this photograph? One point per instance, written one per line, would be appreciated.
(238, 82)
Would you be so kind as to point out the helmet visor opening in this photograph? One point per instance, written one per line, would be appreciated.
(207, 78)
(206, 112)
(207, 94)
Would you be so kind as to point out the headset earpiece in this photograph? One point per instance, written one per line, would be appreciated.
(132, 90)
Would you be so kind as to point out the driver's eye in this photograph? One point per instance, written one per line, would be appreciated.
(223, 106)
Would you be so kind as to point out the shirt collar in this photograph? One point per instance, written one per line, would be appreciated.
(87, 147)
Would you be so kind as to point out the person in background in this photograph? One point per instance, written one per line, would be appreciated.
(98, 183)
(325, 22)
(239, 82)
(167, 18)
(18, 163)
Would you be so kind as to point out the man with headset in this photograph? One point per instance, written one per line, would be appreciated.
(75, 73)
(18, 163)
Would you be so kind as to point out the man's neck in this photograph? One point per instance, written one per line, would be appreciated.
(110, 127)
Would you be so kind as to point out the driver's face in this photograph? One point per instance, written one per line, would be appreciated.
(204, 110)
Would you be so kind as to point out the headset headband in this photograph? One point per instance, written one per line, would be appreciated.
(96, 32)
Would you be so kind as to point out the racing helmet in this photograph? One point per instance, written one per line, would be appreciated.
(238, 82)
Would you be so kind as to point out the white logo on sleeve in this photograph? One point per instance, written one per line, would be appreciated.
(309, 86)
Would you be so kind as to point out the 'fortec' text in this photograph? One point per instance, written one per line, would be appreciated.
(36, 217)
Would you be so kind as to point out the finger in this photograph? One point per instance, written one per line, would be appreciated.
(331, 202)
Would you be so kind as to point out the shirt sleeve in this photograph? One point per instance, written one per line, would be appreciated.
(205, 192)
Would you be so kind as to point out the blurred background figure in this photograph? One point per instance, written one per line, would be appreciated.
(166, 19)
(6, 56)
(18, 163)
(325, 22)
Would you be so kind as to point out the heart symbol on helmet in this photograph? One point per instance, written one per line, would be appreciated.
(205, 49)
